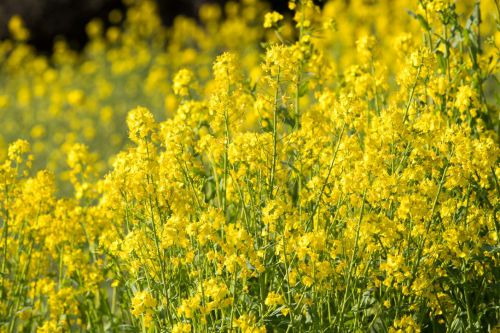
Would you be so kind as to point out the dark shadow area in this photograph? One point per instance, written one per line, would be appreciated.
(48, 19)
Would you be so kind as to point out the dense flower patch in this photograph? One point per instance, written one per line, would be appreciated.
(333, 169)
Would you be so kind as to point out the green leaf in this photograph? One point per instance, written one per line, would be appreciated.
(441, 60)
(421, 19)
(303, 89)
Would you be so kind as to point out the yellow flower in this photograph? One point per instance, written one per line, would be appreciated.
(182, 80)
(182, 328)
(17, 28)
(141, 123)
(274, 299)
(466, 98)
(248, 324)
(405, 324)
(143, 303)
(270, 19)
(17, 149)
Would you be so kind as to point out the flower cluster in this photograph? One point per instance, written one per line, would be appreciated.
(335, 171)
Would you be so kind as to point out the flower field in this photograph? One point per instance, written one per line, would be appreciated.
(332, 168)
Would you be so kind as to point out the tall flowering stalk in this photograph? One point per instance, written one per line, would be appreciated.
(329, 169)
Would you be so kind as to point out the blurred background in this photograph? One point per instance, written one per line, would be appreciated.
(48, 19)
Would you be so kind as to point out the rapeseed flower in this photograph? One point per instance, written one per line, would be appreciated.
(338, 172)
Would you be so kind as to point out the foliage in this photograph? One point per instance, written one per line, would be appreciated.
(335, 170)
